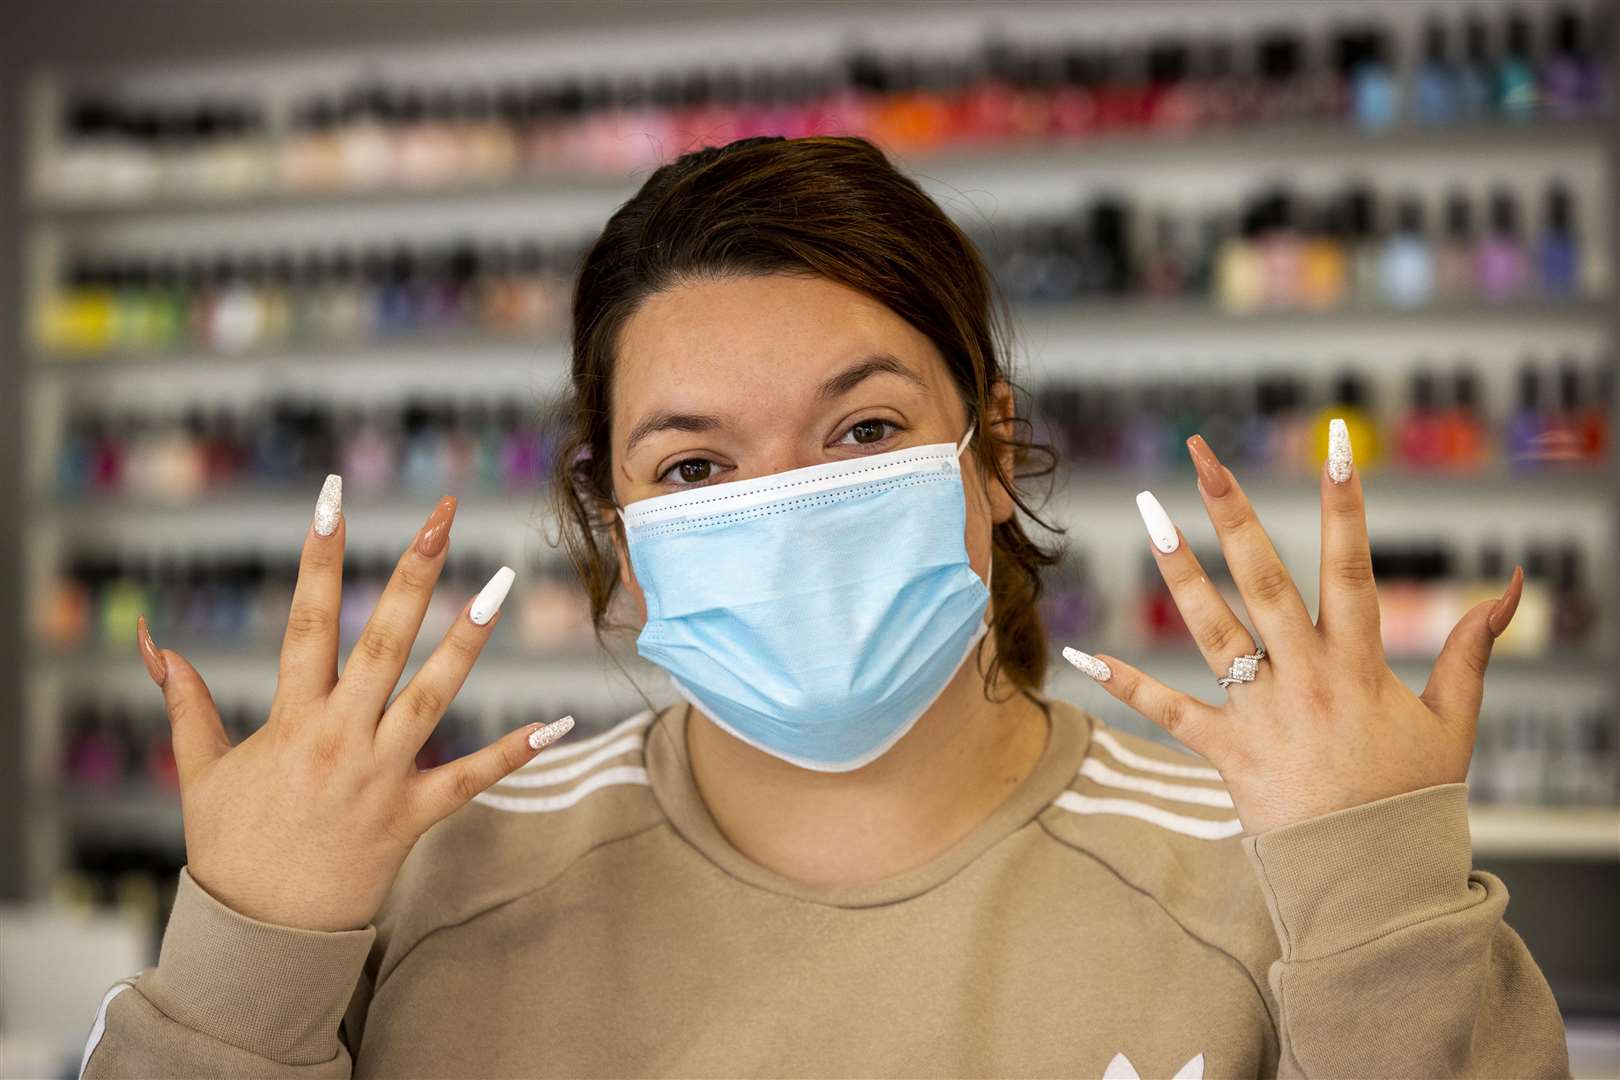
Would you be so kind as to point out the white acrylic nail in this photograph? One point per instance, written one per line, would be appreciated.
(490, 598)
(540, 738)
(1338, 460)
(1157, 521)
(1097, 669)
(329, 506)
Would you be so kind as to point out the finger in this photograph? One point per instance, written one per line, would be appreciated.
(1274, 604)
(1194, 723)
(1347, 605)
(1219, 633)
(380, 652)
(1457, 684)
(440, 791)
(195, 730)
(416, 712)
(309, 646)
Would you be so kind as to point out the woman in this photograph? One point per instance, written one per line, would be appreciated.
(846, 851)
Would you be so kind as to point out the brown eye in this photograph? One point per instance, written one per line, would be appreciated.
(694, 470)
(868, 431)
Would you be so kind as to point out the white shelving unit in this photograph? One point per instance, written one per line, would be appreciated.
(1085, 340)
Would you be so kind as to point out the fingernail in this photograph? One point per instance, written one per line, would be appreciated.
(542, 737)
(1210, 473)
(1158, 522)
(1338, 459)
(436, 532)
(156, 666)
(1499, 618)
(491, 596)
(1089, 664)
(329, 506)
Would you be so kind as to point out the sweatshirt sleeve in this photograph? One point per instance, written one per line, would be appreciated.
(230, 996)
(1395, 960)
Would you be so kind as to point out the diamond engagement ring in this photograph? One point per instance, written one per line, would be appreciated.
(1244, 668)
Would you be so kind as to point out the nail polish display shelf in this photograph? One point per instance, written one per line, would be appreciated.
(1277, 145)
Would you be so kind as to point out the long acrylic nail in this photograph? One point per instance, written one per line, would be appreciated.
(329, 506)
(436, 532)
(1210, 474)
(542, 737)
(156, 666)
(1159, 525)
(1097, 669)
(1338, 459)
(1501, 615)
(491, 596)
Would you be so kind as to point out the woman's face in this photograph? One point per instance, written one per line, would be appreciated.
(727, 380)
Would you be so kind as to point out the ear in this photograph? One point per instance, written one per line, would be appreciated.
(627, 576)
(1002, 411)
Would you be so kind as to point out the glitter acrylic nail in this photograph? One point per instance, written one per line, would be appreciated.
(1089, 664)
(329, 506)
(540, 738)
(1338, 460)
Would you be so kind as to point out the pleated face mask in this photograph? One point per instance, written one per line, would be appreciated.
(816, 613)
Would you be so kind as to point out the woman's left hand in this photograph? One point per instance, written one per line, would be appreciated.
(1325, 724)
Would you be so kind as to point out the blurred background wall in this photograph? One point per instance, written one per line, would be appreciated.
(246, 245)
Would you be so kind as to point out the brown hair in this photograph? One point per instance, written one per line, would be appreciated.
(832, 206)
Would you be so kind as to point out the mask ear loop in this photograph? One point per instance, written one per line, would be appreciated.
(963, 444)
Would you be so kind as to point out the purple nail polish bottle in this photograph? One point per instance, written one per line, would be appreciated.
(1500, 258)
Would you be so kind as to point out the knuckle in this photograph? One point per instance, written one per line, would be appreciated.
(464, 784)
(305, 620)
(464, 646)
(377, 645)
(1220, 637)
(1353, 569)
(1270, 583)
(413, 578)
(1174, 716)
(426, 704)
(320, 562)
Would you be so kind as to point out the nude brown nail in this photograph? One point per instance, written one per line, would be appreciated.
(436, 532)
(156, 666)
(1210, 472)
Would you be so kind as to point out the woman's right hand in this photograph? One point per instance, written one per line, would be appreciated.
(306, 822)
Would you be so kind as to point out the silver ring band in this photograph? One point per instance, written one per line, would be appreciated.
(1244, 668)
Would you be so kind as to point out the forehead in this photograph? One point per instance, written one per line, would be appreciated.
(753, 339)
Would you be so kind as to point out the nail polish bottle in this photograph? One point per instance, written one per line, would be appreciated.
(1475, 101)
(1528, 420)
(1575, 612)
(1158, 619)
(1350, 401)
(1145, 442)
(1277, 59)
(1490, 576)
(1435, 92)
(1281, 251)
(1365, 244)
(1557, 255)
(1463, 435)
(1596, 416)
(1513, 85)
(1407, 264)
(1500, 265)
(1240, 271)
(1375, 95)
(1530, 632)
(1569, 76)
(1418, 436)
(1394, 568)
(1172, 106)
(1074, 110)
(1455, 255)
(1323, 268)
(1561, 439)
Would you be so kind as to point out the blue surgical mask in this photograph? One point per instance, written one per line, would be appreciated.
(816, 613)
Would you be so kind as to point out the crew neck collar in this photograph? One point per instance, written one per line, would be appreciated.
(669, 771)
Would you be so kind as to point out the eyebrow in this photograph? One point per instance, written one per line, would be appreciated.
(865, 368)
(834, 387)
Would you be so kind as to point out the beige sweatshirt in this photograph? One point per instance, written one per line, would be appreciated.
(586, 917)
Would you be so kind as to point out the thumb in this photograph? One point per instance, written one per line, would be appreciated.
(1457, 684)
(198, 736)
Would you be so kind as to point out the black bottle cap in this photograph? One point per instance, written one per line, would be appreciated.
(1167, 62)
(1361, 212)
(1529, 386)
(1567, 36)
(1569, 566)
(1569, 384)
(1560, 208)
(1423, 390)
(1459, 216)
(1518, 35)
(1434, 42)
(1350, 388)
(1504, 212)
(1277, 56)
(1409, 215)
(1465, 387)
(1478, 40)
